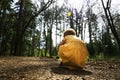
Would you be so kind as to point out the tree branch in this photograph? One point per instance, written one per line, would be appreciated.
(41, 10)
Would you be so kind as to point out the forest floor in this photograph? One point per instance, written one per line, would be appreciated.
(36, 68)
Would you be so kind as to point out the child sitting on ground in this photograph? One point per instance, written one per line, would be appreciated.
(72, 51)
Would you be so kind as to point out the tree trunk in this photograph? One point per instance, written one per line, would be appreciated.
(17, 41)
(51, 43)
(71, 20)
(110, 21)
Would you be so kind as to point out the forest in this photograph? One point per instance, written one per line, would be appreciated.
(31, 30)
(35, 27)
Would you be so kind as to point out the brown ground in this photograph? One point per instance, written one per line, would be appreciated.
(35, 68)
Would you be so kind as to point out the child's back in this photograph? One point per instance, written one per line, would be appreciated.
(73, 52)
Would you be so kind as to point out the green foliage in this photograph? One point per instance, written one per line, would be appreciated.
(98, 50)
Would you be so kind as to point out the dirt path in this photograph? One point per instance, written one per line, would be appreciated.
(35, 68)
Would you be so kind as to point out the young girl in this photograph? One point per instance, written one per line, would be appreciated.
(72, 51)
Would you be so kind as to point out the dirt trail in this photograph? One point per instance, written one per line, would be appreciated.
(35, 68)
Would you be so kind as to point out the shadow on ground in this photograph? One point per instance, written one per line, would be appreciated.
(64, 71)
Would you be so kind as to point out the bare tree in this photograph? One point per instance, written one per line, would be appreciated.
(110, 20)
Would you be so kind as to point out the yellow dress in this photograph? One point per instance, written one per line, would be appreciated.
(73, 53)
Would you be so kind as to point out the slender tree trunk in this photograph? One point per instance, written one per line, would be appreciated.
(33, 44)
(46, 40)
(17, 41)
(40, 32)
(56, 34)
(71, 20)
(110, 21)
(2, 29)
(51, 41)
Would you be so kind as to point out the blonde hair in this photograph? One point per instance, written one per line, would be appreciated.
(69, 31)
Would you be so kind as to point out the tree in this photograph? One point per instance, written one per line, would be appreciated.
(6, 24)
(22, 25)
(110, 20)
